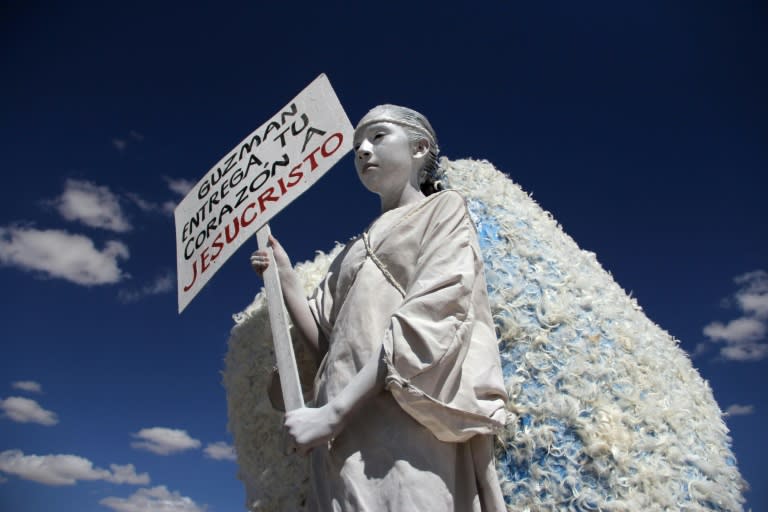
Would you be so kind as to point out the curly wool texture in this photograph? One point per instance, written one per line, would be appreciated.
(610, 414)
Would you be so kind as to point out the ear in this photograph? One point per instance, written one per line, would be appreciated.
(420, 148)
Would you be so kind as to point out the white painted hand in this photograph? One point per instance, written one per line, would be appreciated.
(310, 427)
(260, 258)
(259, 261)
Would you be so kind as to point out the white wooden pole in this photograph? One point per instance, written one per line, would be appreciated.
(278, 319)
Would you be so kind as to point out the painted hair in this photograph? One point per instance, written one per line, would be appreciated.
(417, 127)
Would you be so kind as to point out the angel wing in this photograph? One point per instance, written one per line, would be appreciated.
(610, 413)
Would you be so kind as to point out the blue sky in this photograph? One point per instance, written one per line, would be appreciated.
(641, 128)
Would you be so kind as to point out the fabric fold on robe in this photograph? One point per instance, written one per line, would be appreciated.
(441, 348)
(443, 370)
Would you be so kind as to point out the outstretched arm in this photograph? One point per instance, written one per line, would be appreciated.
(294, 297)
(311, 427)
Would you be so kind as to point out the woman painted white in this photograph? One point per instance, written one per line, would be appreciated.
(409, 389)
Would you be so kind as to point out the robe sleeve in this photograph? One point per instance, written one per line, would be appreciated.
(440, 348)
(321, 302)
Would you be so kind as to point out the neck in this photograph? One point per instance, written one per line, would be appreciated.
(410, 194)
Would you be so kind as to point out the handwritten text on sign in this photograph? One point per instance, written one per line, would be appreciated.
(253, 182)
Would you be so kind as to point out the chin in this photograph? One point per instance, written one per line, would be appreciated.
(369, 181)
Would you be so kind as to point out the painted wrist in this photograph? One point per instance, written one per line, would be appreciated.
(338, 415)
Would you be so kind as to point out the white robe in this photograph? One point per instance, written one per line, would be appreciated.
(421, 293)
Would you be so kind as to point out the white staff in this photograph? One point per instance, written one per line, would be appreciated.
(278, 320)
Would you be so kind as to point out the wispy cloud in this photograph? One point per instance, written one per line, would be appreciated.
(66, 469)
(739, 410)
(143, 204)
(220, 451)
(166, 208)
(743, 338)
(164, 441)
(157, 499)
(24, 410)
(30, 386)
(179, 185)
(93, 205)
(161, 284)
(62, 255)
(121, 143)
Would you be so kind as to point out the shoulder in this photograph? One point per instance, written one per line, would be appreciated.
(445, 211)
(447, 203)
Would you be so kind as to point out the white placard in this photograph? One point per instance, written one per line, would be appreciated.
(254, 181)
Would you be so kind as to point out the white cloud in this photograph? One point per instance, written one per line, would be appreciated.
(179, 186)
(739, 410)
(136, 135)
(164, 441)
(220, 451)
(126, 474)
(743, 337)
(756, 281)
(162, 284)
(25, 410)
(754, 303)
(93, 205)
(156, 499)
(29, 386)
(753, 295)
(65, 469)
(741, 330)
(745, 353)
(61, 254)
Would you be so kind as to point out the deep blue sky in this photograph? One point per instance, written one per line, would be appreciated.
(642, 128)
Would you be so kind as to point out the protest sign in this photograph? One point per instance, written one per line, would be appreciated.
(255, 180)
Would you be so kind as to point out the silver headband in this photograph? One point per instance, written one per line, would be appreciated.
(414, 126)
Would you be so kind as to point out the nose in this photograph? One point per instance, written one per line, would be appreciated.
(364, 149)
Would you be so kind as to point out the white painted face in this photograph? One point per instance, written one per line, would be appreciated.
(384, 157)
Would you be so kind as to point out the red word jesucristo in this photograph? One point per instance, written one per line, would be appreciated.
(258, 206)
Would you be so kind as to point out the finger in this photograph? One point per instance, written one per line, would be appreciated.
(272, 242)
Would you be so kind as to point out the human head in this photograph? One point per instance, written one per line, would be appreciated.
(417, 127)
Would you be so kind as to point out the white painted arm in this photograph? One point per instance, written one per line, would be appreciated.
(310, 427)
(294, 297)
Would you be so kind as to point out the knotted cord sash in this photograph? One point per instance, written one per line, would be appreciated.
(381, 265)
(369, 252)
